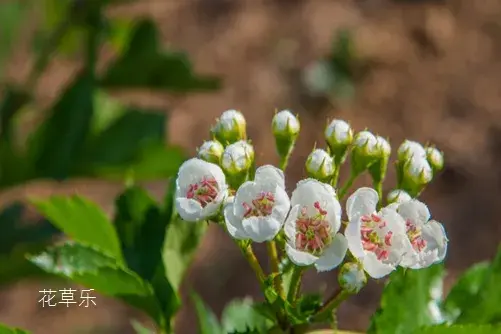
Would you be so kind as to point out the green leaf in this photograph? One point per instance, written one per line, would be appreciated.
(57, 144)
(405, 301)
(484, 307)
(158, 70)
(141, 226)
(179, 249)
(464, 292)
(19, 236)
(126, 136)
(207, 321)
(4, 329)
(81, 220)
(241, 316)
(91, 268)
(460, 329)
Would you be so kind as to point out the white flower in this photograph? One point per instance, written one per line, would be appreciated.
(320, 164)
(259, 209)
(200, 190)
(427, 237)
(377, 239)
(409, 149)
(338, 132)
(285, 123)
(312, 226)
(418, 170)
(398, 196)
(352, 277)
(435, 158)
(211, 151)
(230, 127)
(237, 157)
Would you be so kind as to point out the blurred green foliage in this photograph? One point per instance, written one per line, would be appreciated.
(85, 132)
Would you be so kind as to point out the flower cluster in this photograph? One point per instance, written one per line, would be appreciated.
(222, 184)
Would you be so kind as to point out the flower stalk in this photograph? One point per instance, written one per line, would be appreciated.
(274, 261)
(295, 286)
(331, 304)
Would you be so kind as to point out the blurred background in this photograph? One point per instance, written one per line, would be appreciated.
(423, 70)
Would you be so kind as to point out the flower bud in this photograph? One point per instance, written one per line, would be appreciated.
(409, 149)
(230, 127)
(435, 158)
(320, 165)
(338, 135)
(211, 151)
(379, 168)
(236, 161)
(285, 128)
(398, 196)
(365, 151)
(352, 277)
(417, 172)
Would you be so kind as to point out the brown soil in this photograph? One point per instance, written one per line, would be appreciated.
(435, 77)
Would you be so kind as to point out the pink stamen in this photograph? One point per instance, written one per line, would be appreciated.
(204, 192)
(387, 238)
(375, 218)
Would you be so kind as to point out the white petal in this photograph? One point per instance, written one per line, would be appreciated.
(394, 221)
(361, 202)
(354, 238)
(309, 191)
(234, 224)
(189, 209)
(261, 229)
(299, 258)
(376, 268)
(193, 170)
(425, 259)
(415, 211)
(282, 205)
(333, 255)
(290, 223)
(245, 194)
(271, 175)
(436, 238)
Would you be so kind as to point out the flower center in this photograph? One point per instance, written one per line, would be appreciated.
(313, 233)
(415, 236)
(375, 237)
(204, 191)
(260, 206)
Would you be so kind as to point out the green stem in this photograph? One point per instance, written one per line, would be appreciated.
(284, 161)
(331, 304)
(347, 185)
(253, 261)
(335, 177)
(273, 254)
(295, 284)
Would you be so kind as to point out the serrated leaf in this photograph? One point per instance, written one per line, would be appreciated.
(57, 145)
(91, 268)
(460, 329)
(240, 316)
(405, 301)
(4, 329)
(466, 289)
(485, 305)
(82, 221)
(207, 320)
(159, 70)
